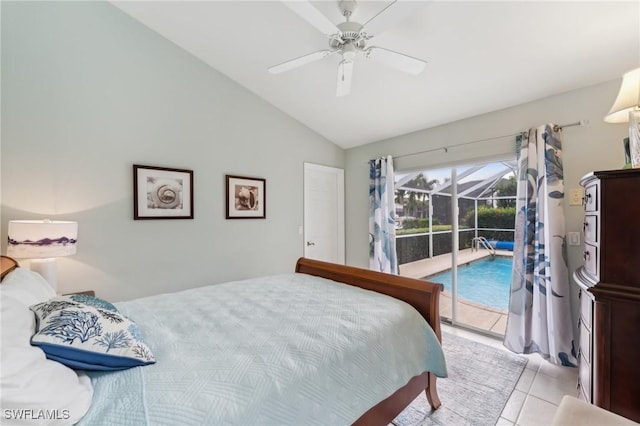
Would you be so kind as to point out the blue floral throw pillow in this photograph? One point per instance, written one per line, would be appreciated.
(88, 333)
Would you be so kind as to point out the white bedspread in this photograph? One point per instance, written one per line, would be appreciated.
(288, 349)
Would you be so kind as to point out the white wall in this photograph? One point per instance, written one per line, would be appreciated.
(596, 146)
(86, 93)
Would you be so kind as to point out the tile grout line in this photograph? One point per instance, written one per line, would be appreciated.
(526, 397)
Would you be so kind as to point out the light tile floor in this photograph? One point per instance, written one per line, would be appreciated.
(538, 392)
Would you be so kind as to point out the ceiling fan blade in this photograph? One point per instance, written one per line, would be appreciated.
(345, 72)
(396, 60)
(302, 60)
(391, 15)
(306, 11)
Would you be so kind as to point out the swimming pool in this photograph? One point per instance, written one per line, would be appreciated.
(485, 281)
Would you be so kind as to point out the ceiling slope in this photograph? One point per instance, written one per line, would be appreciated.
(481, 57)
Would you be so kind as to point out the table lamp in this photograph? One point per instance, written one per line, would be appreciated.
(626, 108)
(42, 241)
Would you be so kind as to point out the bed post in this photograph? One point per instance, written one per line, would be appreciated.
(432, 392)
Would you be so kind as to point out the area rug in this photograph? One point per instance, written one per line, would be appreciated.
(481, 379)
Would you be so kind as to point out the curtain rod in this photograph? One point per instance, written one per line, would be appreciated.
(556, 128)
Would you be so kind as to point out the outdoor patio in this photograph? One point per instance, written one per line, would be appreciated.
(472, 314)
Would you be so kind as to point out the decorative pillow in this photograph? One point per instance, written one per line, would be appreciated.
(30, 383)
(88, 333)
(93, 301)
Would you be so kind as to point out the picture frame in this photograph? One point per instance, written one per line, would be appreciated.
(246, 197)
(162, 193)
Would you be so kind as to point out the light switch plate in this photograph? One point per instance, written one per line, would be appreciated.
(574, 238)
(575, 196)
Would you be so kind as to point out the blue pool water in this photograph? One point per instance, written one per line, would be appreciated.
(485, 281)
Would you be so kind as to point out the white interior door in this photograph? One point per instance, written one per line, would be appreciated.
(324, 213)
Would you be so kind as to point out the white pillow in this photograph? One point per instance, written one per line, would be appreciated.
(26, 286)
(39, 390)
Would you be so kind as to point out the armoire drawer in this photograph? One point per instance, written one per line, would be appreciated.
(591, 229)
(591, 198)
(591, 260)
(586, 309)
(584, 377)
(585, 342)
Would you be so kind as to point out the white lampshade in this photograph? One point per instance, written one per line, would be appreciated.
(628, 98)
(39, 239)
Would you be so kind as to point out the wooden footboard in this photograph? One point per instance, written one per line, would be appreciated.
(422, 295)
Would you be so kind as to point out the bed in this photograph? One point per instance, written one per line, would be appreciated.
(318, 346)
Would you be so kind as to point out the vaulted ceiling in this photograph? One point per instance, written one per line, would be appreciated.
(481, 56)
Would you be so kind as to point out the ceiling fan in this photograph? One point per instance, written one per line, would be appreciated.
(348, 39)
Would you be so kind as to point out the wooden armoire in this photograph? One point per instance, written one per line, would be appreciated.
(609, 281)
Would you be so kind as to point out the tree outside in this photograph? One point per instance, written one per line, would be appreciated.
(416, 204)
(507, 188)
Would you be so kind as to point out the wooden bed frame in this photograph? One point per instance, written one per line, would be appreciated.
(7, 265)
(422, 295)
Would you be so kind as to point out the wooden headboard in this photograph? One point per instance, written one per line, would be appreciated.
(7, 265)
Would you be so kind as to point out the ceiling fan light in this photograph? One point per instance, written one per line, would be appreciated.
(348, 52)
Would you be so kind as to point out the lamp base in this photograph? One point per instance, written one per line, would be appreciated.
(46, 268)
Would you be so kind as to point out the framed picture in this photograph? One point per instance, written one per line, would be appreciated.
(246, 197)
(162, 193)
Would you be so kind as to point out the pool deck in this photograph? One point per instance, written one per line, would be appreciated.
(478, 316)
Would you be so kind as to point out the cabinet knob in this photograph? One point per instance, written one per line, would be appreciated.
(586, 255)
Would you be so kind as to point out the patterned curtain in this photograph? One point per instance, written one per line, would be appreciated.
(382, 217)
(539, 308)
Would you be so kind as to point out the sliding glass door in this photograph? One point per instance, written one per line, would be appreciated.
(455, 227)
